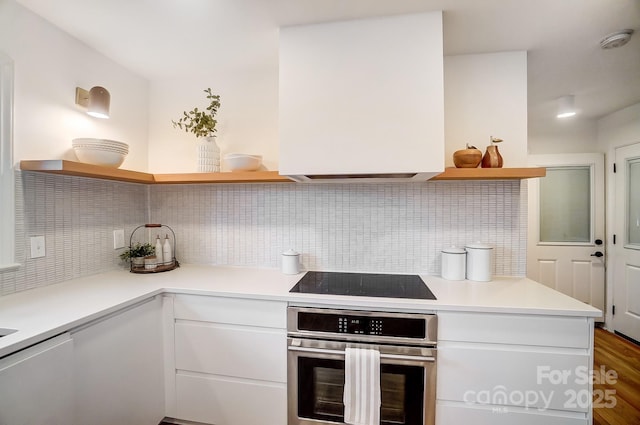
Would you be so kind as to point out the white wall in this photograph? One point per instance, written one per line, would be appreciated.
(571, 135)
(247, 119)
(486, 95)
(620, 128)
(49, 64)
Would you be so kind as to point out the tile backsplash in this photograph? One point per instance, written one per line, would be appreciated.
(394, 227)
(390, 227)
(77, 217)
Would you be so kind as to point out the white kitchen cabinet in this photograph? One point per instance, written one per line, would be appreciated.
(222, 400)
(253, 348)
(510, 368)
(228, 360)
(547, 331)
(511, 375)
(118, 365)
(36, 384)
(495, 415)
(237, 311)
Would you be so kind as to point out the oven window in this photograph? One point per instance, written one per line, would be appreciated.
(321, 388)
(328, 385)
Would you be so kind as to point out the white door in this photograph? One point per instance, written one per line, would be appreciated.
(565, 248)
(626, 255)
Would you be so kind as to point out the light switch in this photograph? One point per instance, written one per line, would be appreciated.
(37, 247)
(118, 239)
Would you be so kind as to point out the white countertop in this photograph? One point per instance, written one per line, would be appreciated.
(41, 313)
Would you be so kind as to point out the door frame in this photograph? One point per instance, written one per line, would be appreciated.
(611, 224)
(611, 205)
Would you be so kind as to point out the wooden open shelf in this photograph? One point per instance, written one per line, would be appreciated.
(490, 173)
(71, 168)
(229, 177)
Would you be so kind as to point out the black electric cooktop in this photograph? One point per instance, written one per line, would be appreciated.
(364, 285)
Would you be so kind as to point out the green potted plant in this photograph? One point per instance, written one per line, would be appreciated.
(202, 123)
(136, 253)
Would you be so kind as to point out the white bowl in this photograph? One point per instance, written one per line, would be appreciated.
(243, 162)
(105, 158)
(99, 142)
(101, 148)
(102, 145)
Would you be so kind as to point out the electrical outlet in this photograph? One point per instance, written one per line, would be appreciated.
(118, 239)
(37, 246)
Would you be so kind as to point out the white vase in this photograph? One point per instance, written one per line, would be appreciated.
(208, 155)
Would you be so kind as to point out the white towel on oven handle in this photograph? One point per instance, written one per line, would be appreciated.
(362, 386)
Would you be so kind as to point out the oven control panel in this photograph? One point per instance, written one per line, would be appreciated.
(360, 326)
(402, 327)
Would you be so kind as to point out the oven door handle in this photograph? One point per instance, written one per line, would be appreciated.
(382, 356)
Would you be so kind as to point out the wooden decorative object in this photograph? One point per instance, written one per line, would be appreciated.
(467, 158)
(492, 158)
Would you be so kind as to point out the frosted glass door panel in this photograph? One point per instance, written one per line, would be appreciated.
(565, 205)
(633, 214)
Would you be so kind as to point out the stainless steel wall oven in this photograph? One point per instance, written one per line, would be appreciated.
(317, 339)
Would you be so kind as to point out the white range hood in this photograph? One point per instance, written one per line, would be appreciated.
(362, 100)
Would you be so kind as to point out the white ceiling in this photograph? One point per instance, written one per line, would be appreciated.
(170, 38)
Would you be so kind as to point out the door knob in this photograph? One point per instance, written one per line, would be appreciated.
(597, 254)
(598, 242)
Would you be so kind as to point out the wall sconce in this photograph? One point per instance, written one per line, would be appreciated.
(96, 101)
(566, 107)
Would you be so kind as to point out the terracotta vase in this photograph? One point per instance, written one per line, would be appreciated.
(492, 158)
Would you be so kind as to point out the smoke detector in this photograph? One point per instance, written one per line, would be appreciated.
(616, 39)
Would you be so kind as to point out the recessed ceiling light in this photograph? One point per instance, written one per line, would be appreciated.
(616, 39)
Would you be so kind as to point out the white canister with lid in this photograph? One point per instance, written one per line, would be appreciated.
(453, 263)
(479, 261)
(290, 262)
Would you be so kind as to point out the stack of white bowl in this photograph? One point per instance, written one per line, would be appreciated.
(243, 162)
(107, 153)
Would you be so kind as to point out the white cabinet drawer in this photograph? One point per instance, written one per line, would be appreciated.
(514, 376)
(550, 331)
(221, 401)
(449, 414)
(252, 353)
(270, 314)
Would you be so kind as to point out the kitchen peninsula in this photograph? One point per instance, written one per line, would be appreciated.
(490, 335)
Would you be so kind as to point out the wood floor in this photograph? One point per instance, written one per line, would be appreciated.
(617, 380)
(613, 353)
